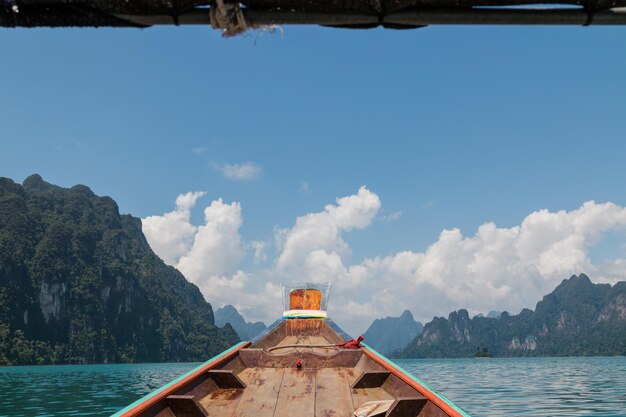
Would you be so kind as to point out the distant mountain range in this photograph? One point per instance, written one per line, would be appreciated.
(492, 314)
(392, 333)
(80, 284)
(579, 318)
(229, 315)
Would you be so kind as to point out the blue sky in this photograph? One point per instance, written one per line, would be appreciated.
(450, 127)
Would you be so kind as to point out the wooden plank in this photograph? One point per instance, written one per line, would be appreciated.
(320, 340)
(448, 408)
(365, 364)
(409, 407)
(431, 410)
(236, 365)
(304, 341)
(261, 392)
(258, 358)
(185, 406)
(198, 388)
(372, 379)
(352, 374)
(297, 394)
(421, 16)
(396, 387)
(152, 399)
(504, 16)
(288, 340)
(332, 394)
(304, 327)
(225, 379)
(363, 395)
(222, 402)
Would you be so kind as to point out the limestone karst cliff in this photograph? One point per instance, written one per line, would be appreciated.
(80, 284)
(578, 318)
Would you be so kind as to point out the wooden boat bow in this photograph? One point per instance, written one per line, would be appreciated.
(302, 366)
(262, 378)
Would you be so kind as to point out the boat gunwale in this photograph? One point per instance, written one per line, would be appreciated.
(153, 398)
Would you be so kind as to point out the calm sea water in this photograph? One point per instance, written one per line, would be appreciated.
(557, 387)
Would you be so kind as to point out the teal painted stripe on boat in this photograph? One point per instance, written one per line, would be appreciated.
(419, 381)
(180, 378)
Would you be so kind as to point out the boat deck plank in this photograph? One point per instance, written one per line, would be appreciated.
(305, 340)
(363, 395)
(297, 394)
(352, 375)
(261, 392)
(222, 402)
(332, 394)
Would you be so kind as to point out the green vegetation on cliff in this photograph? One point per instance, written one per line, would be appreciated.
(578, 318)
(80, 284)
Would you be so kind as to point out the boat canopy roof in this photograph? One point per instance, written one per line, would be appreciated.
(233, 18)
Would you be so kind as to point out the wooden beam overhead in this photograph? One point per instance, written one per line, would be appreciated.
(235, 18)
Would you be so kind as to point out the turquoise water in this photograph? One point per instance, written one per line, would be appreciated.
(80, 390)
(558, 387)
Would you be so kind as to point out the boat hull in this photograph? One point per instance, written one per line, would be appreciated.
(296, 368)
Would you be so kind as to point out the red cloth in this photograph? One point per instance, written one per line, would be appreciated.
(352, 344)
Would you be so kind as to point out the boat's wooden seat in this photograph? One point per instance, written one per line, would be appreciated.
(371, 379)
(407, 407)
(214, 385)
(225, 379)
(374, 384)
(186, 406)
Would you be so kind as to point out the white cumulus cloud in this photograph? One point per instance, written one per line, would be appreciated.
(202, 253)
(322, 231)
(217, 246)
(171, 235)
(240, 172)
(492, 268)
(496, 268)
(259, 247)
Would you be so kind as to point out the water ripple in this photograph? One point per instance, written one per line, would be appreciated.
(554, 387)
(89, 390)
(538, 387)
